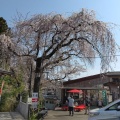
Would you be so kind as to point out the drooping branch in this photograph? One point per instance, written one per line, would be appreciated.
(55, 41)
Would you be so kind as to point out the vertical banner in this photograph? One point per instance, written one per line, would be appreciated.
(104, 96)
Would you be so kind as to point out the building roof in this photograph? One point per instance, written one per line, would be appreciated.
(84, 88)
(115, 73)
(3, 72)
(82, 79)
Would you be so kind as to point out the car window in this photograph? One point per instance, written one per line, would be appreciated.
(113, 107)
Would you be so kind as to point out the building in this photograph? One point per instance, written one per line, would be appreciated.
(93, 86)
(51, 93)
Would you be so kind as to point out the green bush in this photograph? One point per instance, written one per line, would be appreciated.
(24, 95)
(8, 103)
(11, 90)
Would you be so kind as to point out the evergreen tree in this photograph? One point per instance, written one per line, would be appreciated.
(3, 25)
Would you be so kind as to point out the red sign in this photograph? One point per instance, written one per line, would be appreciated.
(34, 99)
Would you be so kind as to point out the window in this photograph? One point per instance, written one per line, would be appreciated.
(113, 107)
(51, 102)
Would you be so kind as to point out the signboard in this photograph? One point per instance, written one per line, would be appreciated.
(34, 100)
(35, 95)
(29, 100)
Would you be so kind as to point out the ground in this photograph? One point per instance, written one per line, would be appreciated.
(58, 114)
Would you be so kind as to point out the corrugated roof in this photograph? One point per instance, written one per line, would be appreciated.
(114, 73)
(82, 79)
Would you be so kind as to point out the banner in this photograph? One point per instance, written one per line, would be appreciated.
(104, 96)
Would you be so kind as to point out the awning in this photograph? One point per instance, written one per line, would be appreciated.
(75, 91)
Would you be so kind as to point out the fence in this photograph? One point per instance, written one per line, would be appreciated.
(23, 109)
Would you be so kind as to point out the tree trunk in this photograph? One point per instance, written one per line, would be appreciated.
(37, 75)
(36, 84)
(30, 79)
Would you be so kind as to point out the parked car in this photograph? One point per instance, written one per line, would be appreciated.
(109, 112)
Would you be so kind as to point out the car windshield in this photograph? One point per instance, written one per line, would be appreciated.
(112, 102)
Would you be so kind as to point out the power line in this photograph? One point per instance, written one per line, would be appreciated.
(100, 57)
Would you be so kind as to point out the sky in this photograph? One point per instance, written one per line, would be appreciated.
(106, 11)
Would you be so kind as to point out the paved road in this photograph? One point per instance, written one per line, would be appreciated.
(64, 115)
(10, 116)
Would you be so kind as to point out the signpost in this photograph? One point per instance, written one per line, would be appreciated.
(34, 100)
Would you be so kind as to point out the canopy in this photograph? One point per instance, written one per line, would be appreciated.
(75, 91)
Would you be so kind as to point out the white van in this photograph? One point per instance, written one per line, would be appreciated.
(109, 112)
